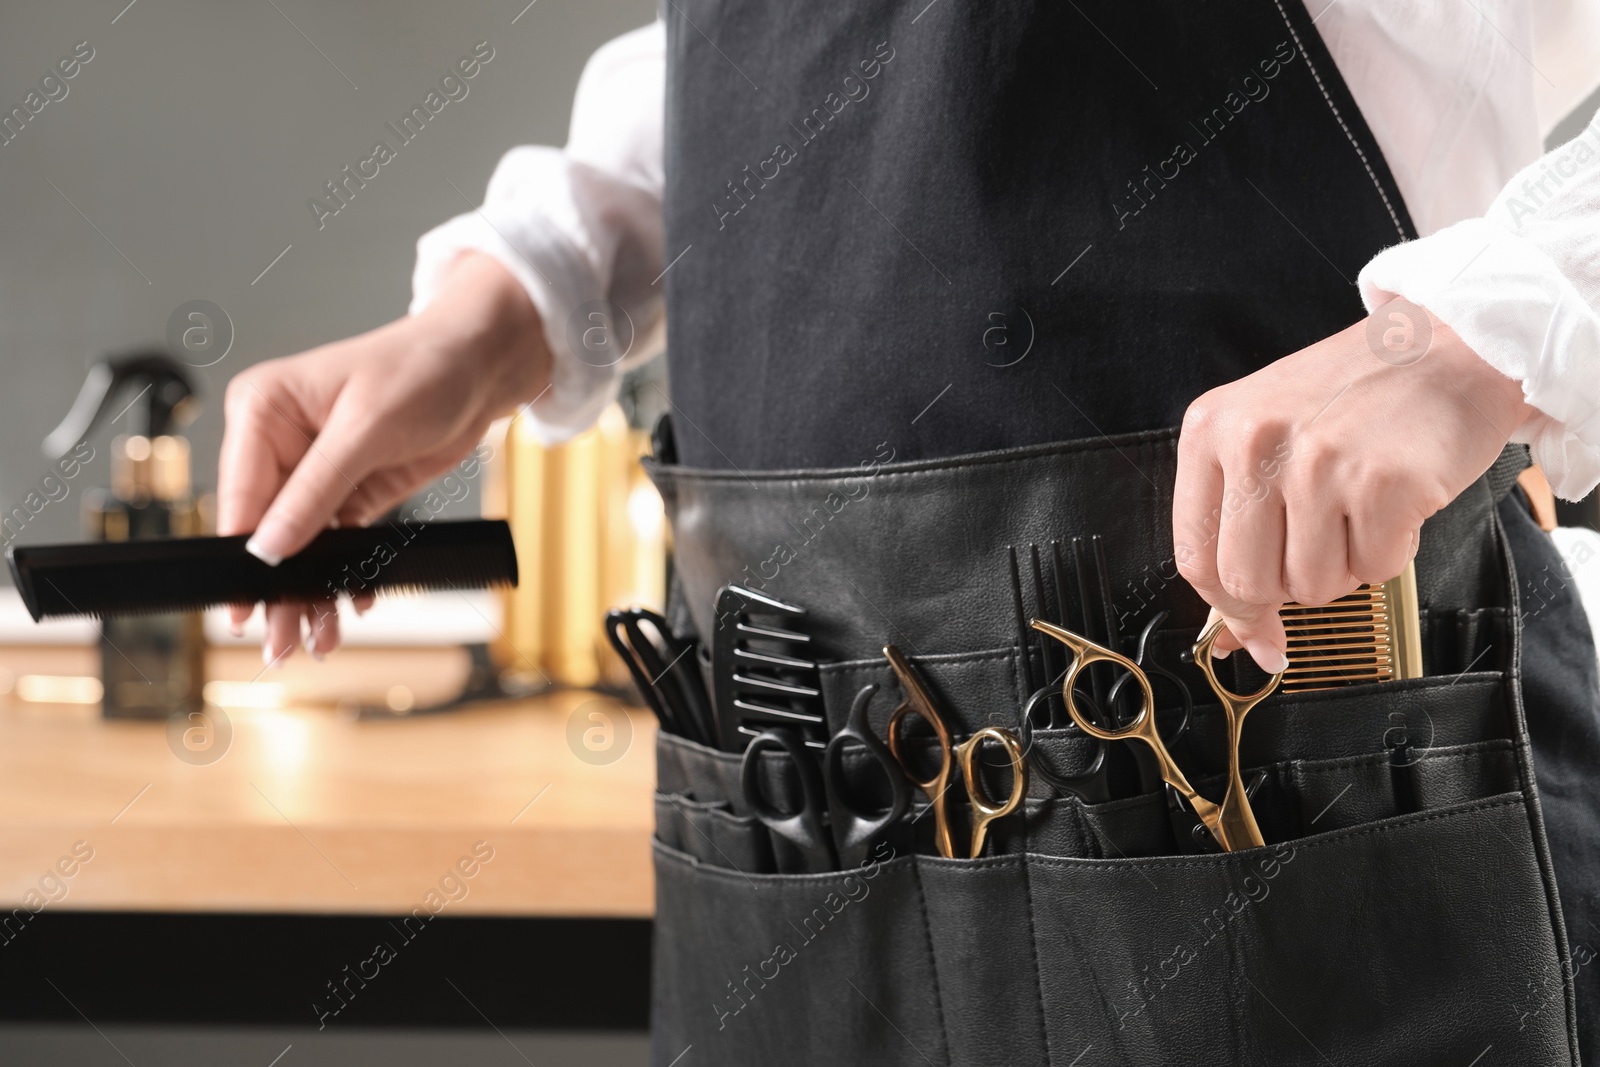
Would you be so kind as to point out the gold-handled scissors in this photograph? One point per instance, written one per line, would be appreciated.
(1232, 824)
(985, 809)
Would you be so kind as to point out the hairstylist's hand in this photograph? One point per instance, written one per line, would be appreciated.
(1313, 475)
(342, 433)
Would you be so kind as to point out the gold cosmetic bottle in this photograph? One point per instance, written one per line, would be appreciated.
(151, 666)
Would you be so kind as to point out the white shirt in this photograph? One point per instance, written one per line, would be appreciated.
(1459, 95)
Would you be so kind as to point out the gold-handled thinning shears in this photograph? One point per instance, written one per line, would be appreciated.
(985, 809)
(1232, 824)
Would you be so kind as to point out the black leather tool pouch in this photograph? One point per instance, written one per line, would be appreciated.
(1404, 910)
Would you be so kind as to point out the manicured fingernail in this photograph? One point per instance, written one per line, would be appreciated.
(1268, 658)
(1221, 653)
(264, 545)
(236, 628)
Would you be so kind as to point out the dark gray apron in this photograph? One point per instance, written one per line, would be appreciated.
(851, 195)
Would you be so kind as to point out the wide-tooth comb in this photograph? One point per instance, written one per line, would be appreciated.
(190, 573)
(1372, 635)
(759, 676)
(1093, 592)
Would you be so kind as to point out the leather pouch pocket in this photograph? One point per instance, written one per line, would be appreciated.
(816, 968)
(1065, 826)
(1345, 947)
(1348, 946)
(1441, 777)
(701, 809)
(1340, 793)
(1143, 825)
(1053, 825)
(980, 925)
(712, 834)
(1137, 826)
(1464, 639)
(684, 768)
(1356, 721)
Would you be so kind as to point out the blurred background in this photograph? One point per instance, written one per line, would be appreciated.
(233, 876)
(180, 162)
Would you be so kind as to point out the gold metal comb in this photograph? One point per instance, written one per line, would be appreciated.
(1372, 635)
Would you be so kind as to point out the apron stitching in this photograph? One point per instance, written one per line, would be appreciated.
(1086, 832)
(933, 958)
(1038, 973)
(1530, 786)
(1342, 124)
(1229, 859)
(676, 475)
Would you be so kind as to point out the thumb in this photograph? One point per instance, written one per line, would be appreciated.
(1258, 629)
(326, 475)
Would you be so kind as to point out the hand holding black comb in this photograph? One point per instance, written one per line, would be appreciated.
(189, 573)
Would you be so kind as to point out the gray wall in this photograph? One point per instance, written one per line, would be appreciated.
(192, 141)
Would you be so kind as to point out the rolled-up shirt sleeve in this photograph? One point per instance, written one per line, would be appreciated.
(1521, 286)
(581, 228)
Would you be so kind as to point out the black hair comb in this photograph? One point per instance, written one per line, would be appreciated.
(189, 573)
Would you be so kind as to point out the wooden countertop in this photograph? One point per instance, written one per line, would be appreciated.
(312, 812)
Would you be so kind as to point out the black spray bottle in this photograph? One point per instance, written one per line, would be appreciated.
(152, 666)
